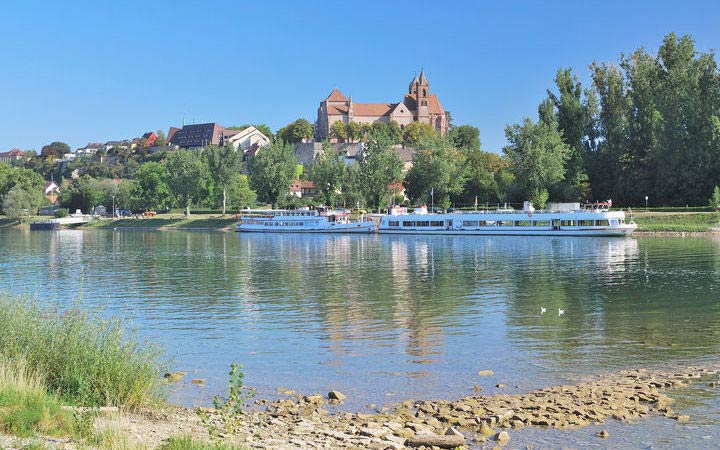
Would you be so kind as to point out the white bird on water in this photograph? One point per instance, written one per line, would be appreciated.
(543, 310)
(560, 312)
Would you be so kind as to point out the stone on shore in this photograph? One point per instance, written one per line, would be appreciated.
(602, 434)
(337, 396)
(428, 439)
(502, 437)
(485, 373)
(175, 376)
(198, 381)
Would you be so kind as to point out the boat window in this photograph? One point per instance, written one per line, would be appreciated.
(393, 223)
(436, 223)
(541, 223)
(585, 223)
(408, 224)
(602, 223)
(487, 223)
(422, 224)
(505, 223)
(567, 223)
(523, 223)
(613, 222)
(470, 223)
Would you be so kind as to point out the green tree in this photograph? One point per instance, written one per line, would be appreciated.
(223, 163)
(466, 137)
(352, 130)
(438, 168)
(394, 132)
(715, 198)
(537, 155)
(187, 177)
(240, 195)
(19, 203)
(272, 170)
(416, 132)
(83, 193)
(161, 140)
(338, 131)
(25, 179)
(151, 189)
(327, 172)
(572, 119)
(56, 149)
(379, 166)
(296, 131)
(482, 172)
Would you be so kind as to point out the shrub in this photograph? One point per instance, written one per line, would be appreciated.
(187, 443)
(86, 359)
(61, 212)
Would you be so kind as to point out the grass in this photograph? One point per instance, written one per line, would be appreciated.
(674, 221)
(28, 409)
(187, 443)
(176, 220)
(85, 359)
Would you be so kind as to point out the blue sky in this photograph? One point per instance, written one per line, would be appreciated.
(86, 71)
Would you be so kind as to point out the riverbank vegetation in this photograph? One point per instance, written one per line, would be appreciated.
(690, 222)
(83, 358)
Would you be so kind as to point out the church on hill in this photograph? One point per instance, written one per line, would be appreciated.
(419, 105)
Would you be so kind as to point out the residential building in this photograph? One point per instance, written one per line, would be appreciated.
(150, 138)
(418, 105)
(246, 139)
(197, 135)
(11, 156)
(89, 150)
(303, 188)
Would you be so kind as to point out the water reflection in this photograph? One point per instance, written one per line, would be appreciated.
(412, 315)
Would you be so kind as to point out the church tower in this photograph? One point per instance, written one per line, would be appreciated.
(422, 88)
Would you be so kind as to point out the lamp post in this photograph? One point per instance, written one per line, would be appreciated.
(113, 207)
(646, 199)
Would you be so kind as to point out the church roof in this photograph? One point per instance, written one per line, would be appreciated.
(434, 106)
(336, 96)
(373, 109)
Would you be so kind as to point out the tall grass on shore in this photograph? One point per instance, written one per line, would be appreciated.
(26, 408)
(85, 359)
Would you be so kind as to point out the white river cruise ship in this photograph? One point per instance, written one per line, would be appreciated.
(567, 220)
(302, 220)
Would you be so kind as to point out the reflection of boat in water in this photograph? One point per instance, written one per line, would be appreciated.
(301, 221)
(597, 220)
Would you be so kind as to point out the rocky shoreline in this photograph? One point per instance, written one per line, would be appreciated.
(476, 421)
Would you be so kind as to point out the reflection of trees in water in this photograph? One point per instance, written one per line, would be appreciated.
(625, 301)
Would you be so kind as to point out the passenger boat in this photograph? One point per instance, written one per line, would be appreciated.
(303, 220)
(567, 220)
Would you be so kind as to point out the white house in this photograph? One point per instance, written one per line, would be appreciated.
(246, 139)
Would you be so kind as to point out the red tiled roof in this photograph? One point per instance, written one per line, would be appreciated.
(336, 96)
(304, 184)
(434, 106)
(171, 133)
(335, 110)
(13, 152)
(373, 109)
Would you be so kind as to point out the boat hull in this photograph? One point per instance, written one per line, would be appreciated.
(575, 233)
(510, 223)
(365, 227)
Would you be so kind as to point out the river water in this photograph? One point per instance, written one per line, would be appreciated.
(390, 318)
